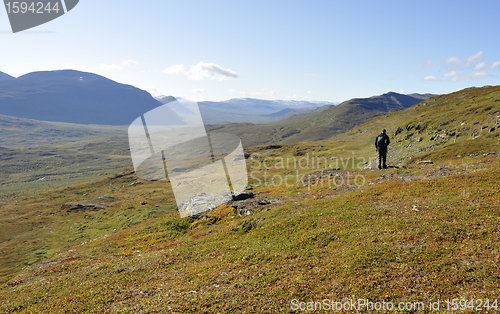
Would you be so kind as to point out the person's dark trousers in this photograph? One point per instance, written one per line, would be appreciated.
(382, 156)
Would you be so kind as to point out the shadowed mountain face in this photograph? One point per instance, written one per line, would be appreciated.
(73, 97)
(6, 77)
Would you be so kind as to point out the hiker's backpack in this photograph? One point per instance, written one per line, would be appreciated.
(381, 141)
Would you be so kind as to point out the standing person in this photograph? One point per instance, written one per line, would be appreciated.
(381, 143)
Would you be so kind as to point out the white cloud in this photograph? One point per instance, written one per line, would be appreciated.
(264, 92)
(175, 69)
(130, 62)
(430, 78)
(482, 65)
(469, 62)
(453, 59)
(199, 90)
(212, 71)
(309, 92)
(110, 67)
(203, 70)
(477, 75)
(461, 69)
(156, 92)
(427, 64)
(294, 96)
(74, 67)
(401, 91)
(455, 77)
(474, 57)
(297, 97)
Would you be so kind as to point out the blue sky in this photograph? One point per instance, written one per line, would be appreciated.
(311, 50)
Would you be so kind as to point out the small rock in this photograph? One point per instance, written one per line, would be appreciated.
(274, 146)
(105, 197)
(243, 196)
(424, 162)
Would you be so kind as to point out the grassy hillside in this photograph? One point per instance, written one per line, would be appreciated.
(447, 126)
(406, 235)
(336, 230)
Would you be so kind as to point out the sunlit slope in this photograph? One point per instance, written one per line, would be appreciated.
(442, 127)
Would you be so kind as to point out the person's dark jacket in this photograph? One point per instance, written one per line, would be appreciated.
(386, 140)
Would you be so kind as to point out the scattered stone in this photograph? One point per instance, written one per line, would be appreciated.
(273, 146)
(424, 162)
(202, 203)
(72, 206)
(297, 153)
(130, 184)
(105, 197)
(118, 175)
(249, 206)
(243, 196)
(121, 174)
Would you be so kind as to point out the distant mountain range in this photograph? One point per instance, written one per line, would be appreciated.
(256, 110)
(332, 120)
(86, 98)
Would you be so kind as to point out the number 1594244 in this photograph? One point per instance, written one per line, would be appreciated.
(31, 7)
